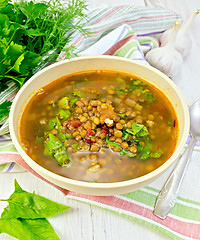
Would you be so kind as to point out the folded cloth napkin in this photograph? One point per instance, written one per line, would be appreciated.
(129, 32)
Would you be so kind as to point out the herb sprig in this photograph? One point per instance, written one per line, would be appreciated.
(30, 31)
(26, 213)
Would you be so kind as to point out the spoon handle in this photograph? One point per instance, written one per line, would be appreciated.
(168, 194)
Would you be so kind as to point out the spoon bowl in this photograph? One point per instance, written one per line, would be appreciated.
(195, 119)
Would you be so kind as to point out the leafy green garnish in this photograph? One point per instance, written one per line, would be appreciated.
(76, 146)
(73, 101)
(112, 143)
(68, 136)
(138, 144)
(138, 130)
(125, 135)
(146, 151)
(78, 93)
(4, 109)
(64, 103)
(26, 213)
(170, 124)
(119, 79)
(32, 33)
(122, 115)
(60, 130)
(51, 124)
(157, 154)
(119, 90)
(53, 147)
(39, 139)
(52, 144)
(127, 153)
(138, 82)
(22, 204)
(65, 114)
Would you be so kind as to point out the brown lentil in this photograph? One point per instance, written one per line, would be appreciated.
(117, 133)
(124, 144)
(94, 168)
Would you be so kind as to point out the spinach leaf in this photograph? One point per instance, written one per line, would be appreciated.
(127, 153)
(29, 229)
(73, 101)
(27, 205)
(68, 136)
(146, 151)
(60, 131)
(76, 146)
(53, 147)
(51, 144)
(62, 157)
(39, 139)
(64, 103)
(122, 115)
(51, 124)
(4, 108)
(125, 135)
(64, 114)
(119, 90)
(157, 154)
(138, 82)
(138, 130)
(78, 93)
(138, 144)
(170, 123)
(112, 143)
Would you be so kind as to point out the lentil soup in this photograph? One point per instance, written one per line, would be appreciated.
(99, 126)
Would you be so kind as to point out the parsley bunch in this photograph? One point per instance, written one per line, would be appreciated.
(29, 30)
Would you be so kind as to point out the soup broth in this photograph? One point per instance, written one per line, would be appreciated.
(99, 126)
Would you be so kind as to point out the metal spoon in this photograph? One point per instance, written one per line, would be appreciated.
(167, 197)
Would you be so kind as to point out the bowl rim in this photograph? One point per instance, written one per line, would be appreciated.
(80, 183)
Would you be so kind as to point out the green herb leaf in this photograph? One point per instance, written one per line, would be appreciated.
(27, 205)
(112, 143)
(121, 90)
(138, 82)
(76, 146)
(4, 109)
(157, 154)
(51, 124)
(51, 144)
(170, 124)
(64, 114)
(138, 130)
(60, 131)
(125, 135)
(119, 79)
(73, 101)
(138, 144)
(39, 139)
(146, 151)
(62, 157)
(78, 93)
(64, 103)
(68, 136)
(122, 115)
(29, 229)
(128, 154)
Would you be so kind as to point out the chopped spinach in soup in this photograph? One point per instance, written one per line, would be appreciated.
(101, 126)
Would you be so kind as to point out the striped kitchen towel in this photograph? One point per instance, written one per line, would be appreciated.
(129, 32)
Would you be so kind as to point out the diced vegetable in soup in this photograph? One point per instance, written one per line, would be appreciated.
(99, 126)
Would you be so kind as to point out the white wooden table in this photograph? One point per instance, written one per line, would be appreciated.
(85, 222)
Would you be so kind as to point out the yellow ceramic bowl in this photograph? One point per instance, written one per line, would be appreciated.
(63, 68)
